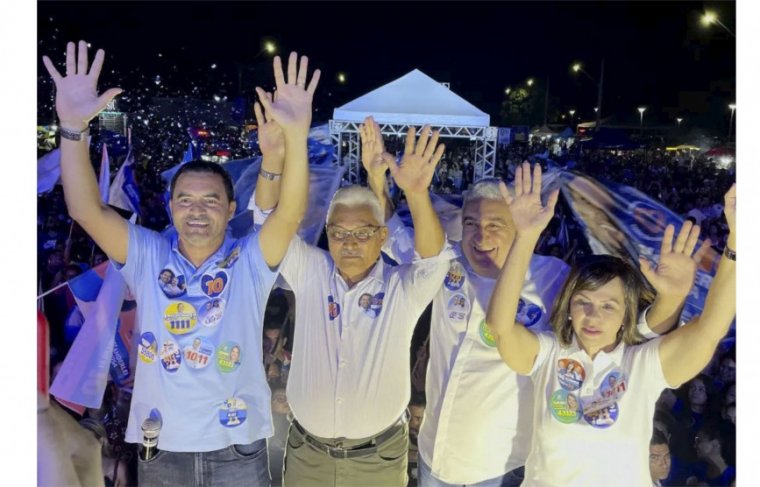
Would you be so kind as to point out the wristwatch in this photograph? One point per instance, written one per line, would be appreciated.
(75, 135)
(730, 254)
(272, 176)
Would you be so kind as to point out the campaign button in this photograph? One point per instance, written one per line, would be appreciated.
(458, 307)
(233, 412)
(198, 354)
(231, 258)
(528, 313)
(565, 407)
(147, 349)
(213, 285)
(614, 385)
(211, 312)
(180, 318)
(570, 374)
(602, 417)
(171, 356)
(485, 334)
(371, 305)
(172, 284)
(333, 308)
(455, 278)
(228, 357)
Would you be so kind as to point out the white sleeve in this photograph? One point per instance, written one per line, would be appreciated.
(259, 215)
(546, 343)
(400, 242)
(422, 279)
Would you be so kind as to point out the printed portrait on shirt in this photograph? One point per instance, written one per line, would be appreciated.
(171, 284)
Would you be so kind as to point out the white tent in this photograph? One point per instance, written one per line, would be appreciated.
(413, 99)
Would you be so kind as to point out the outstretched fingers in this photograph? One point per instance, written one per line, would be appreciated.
(51, 69)
(97, 64)
(505, 192)
(691, 240)
(259, 114)
(82, 64)
(702, 251)
(422, 141)
(265, 100)
(683, 235)
(302, 70)
(292, 68)
(314, 82)
(71, 59)
(666, 246)
(431, 146)
(409, 145)
(279, 77)
(537, 176)
(526, 182)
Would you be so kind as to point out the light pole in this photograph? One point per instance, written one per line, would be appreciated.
(599, 85)
(641, 120)
(732, 106)
(710, 18)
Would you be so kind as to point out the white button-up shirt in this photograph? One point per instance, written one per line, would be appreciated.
(350, 374)
(476, 425)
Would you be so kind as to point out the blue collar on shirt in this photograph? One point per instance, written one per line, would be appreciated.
(217, 256)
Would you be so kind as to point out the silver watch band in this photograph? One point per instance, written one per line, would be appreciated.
(74, 135)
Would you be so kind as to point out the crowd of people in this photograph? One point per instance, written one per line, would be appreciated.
(693, 441)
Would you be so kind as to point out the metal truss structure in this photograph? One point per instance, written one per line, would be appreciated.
(343, 132)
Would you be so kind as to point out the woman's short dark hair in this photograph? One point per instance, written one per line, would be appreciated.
(207, 167)
(591, 273)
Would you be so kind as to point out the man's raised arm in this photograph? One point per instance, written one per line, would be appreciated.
(291, 109)
(77, 102)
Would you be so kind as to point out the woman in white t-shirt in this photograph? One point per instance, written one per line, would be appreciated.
(605, 441)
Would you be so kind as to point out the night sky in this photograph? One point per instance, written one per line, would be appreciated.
(657, 54)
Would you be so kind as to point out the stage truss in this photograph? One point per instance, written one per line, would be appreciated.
(484, 138)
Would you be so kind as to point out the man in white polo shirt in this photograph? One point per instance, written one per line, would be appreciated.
(349, 381)
(476, 429)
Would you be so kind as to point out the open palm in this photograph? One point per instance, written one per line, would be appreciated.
(418, 164)
(372, 149)
(291, 108)
(271, 137)
(77, 100)
(529, 215)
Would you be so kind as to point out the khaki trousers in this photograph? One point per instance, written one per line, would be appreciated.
(306, 466)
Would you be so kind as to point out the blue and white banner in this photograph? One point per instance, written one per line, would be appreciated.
(48, 171)
(125, 193)
(104, 180)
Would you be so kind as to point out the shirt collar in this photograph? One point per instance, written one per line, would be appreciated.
(375, 274)
(615, 356)
(218, 255)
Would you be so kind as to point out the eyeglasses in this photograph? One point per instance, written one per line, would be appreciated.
(361, 234)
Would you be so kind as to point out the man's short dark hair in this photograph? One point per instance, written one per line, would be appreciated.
(207, 167)
(658, 438)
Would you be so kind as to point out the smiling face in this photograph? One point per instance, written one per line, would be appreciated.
(487, 235)
(355, 259)
(597, 316)
(200, 211)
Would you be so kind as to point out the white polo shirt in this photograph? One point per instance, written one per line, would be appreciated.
(476, 404)
(350, 374)
(605, 441)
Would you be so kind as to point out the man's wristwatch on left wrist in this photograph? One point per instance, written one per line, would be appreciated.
(75, 135)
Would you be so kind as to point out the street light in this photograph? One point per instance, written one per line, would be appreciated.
(710, 18)
(270, 47)
(342, 78)
(641, 121)
(508, 90)
(578, 67)
(679, 120)
(572, 116)
(732, 106)
(529, 82)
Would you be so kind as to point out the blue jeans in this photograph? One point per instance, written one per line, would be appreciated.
(236, 465)
(510, 479)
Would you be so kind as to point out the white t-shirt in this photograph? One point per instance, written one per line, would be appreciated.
(605, 440)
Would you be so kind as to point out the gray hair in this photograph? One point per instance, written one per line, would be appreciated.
(356, 195)
(486, 188)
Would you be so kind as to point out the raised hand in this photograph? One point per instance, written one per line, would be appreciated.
(76, 97)
(729, 208)
(529, 215)
(418, 164)
(291, 108)
(675, 272)
(372, 149)
(271, 137)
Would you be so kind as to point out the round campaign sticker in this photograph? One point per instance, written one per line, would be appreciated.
(198, 354)
(233, 412)
(565, 407)
(147, 349)
(171, 283)
(454, 279)
(211, 312)
(213, 285)
(601, 417)
(180, 317)
(231, 258)
(228, 357)
(570, 374)
(528, 313)
(485, 334)
(613, 385)
(371, 305)
(458, 307)
(171, 356)
(333, 308)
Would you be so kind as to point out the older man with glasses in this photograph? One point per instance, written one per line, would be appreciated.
(349, 379)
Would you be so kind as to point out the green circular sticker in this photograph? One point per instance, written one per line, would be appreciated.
(228, 357)
(485, 334)
(565, 407)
